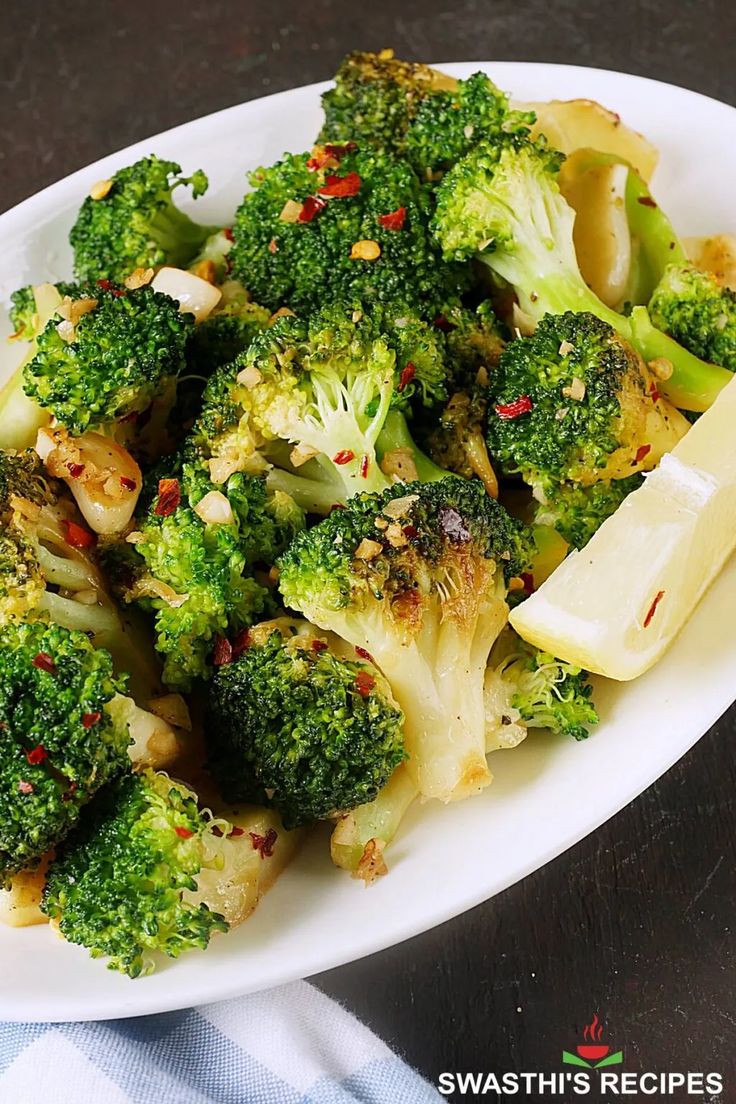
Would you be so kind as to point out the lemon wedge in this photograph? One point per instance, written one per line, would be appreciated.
(616, 606)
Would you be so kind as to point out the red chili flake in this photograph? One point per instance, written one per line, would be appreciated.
(319, 645)
(235, 832)
(653, 608)
(312, 206)
(653, 392)
(363, 653)
(169, 497)
(37, 755)
(44, 662)
(364, 683)
(410, 532)
(339, 151)
(273, 246)
(75, 470)
(394, 220)
(318, 160)
(25, 787)
(340, 187)
(337, 506)
(127, 484)
(344, 456)
(223, 652)
(514, 409)
(264, 844)
(228, 232)
(641, 452)
(646, 201)
(442, 323)
(241, 643)
(364, 465)
(133, 416)
(408, 373)
(76, 536)
(69, 792)
(107, 285)
(89, 720)
(528, 580)
(184, 833)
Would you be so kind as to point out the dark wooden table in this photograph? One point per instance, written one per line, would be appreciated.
(634, 922)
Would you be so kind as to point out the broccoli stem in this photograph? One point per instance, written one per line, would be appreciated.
(659, 245)
(179, 237)
(377, 821)
(694, 384)
(395, 435)
(20, 417)
(314, 496)
(74, 615)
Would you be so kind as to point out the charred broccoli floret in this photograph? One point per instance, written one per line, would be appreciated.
(574, 403)
(375, 98)
(59, 739)
(502, 205)
(358, 229)
(109, 357)
(125, 884)
(417, 577)
(300, 726)
(134, 223)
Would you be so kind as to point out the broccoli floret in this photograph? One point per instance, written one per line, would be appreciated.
(308, 235)
(58, 740)
(501, 204)
(136, 224)
(125, 883)
(300, 727)
(696, 311)
(196, 548)
(111, 358)
(532, 688)
(574, 403)
(374, 99)
(576, 511)
(313, 396)
(227, 332)
(417, 577)
(448, 123)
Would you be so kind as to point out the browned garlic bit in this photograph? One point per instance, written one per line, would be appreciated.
(366, 250)
(399, 465)
(100, 189)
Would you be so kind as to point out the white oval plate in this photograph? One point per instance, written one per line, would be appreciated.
(547, 794)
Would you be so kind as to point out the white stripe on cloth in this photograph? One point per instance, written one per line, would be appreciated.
(298, 1033)
(52, 1069)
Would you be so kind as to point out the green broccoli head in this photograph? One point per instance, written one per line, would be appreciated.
(136, 224)
(360, 230)
(575, 403)
(227, 332)
(312, 396)
(417, 577)
(577, 511)
(447, 123)
(196, 548)
(545, 692)
(300, 727)
(693, 308)
(58, 742)
(375, 98)
(124, 884)
(111, 357)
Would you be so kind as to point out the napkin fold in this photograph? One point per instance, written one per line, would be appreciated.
(291, 1045)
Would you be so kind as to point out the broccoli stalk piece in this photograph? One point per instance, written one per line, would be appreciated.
(361, 835)
(501, 204)
(574, 410)
(135, 223)
(530, 688)
(109, 358)
(59, 742)
(314, 398)
(301, 727)
(417, 577)
(357, 229)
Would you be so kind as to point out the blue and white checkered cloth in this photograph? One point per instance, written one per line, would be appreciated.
(292, 1045)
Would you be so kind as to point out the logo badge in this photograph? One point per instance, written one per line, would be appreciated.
(592, 1053)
